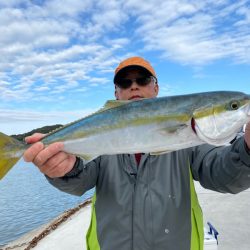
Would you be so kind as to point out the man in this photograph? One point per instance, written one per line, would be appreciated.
(145, 202)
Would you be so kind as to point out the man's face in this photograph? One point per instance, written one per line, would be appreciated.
(135, 91)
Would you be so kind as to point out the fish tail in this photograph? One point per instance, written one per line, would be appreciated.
(11, 151)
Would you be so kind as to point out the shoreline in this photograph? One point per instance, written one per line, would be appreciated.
(32, 238)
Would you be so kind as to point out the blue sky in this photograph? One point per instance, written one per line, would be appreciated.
(58, 57)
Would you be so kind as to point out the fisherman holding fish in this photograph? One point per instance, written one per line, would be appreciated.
(146, 200)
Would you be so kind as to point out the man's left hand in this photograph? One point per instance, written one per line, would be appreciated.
(247, 135)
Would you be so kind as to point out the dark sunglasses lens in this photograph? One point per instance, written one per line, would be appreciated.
(143, 81)
(124, 83)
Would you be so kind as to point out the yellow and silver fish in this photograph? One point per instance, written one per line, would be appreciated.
(155, 126)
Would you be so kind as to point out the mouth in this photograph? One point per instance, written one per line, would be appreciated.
(135, 97)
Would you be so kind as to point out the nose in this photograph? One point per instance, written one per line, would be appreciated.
(134, 84)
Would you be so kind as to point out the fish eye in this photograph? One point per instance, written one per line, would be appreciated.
(234, 105)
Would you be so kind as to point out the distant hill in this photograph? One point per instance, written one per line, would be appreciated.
(43, 130)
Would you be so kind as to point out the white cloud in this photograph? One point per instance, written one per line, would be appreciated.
(193, 32)
(51, 41)
(44, 45)
(4, 83)
(42, 88)
(13, 3)
(245, 13)
(37, 44)
(97, 81)
(70, 8)
(28, 120)
(167, 89)
(65, 65)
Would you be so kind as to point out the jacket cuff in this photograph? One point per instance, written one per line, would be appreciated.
(76, 170)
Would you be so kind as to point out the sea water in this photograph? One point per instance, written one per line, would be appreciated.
(28, 201)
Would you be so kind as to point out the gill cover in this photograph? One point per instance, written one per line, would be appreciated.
(219, 124)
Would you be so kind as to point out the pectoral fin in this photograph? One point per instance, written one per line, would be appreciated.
(173, 129)
(87, 158)
(160, 152)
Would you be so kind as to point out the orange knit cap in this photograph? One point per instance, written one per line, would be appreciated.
(134, 61)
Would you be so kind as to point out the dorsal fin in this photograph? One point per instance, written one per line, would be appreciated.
(113, 104)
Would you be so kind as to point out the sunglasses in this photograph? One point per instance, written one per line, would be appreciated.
(125, 83)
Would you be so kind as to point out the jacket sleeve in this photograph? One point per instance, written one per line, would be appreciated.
(80, 179)
(225, 169)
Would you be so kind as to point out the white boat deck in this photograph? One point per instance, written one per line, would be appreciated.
(229, 214)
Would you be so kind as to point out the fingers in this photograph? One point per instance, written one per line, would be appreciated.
(50, 160)
(247, 135)
(247, 127)
(34, 138)
(47, 153)
(30, 154)
(61, 169)
(54, 161)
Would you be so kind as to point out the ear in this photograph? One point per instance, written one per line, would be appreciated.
(116, 94)
(156, 88)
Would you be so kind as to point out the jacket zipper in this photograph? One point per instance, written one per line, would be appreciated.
(133, 206)
(134, 176)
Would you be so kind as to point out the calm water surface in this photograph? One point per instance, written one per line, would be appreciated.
(27, 201)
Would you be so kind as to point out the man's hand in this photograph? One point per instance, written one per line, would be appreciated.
(51, 160)
(247, 135)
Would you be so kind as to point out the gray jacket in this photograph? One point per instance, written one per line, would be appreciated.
(149, 207)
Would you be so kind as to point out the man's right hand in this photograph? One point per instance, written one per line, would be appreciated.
(51, 160)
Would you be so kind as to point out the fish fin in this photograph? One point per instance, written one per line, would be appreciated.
(87, 158)
(113, 104)
(173, 129)
(161, 152)
(10, 152)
